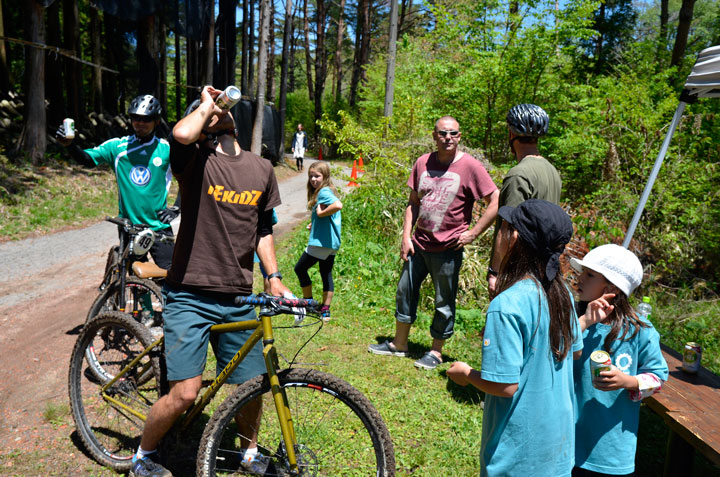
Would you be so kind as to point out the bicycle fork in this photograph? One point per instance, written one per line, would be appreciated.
(281, 401)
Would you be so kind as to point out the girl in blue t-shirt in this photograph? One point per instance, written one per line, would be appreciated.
(607, 409)
(531, 336)
(324, 239)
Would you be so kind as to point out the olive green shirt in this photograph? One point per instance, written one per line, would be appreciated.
(533, 178)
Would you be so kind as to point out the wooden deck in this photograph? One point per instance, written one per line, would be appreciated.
(690, 406)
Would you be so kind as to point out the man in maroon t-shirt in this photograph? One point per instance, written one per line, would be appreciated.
(444, 186)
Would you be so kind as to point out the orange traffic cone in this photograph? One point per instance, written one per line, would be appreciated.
(353, 176)
(361, 167)
(320, 154)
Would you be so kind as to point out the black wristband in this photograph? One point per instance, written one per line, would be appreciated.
(490, 272)
(275, 275)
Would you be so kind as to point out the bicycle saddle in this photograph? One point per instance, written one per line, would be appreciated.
(148, 270)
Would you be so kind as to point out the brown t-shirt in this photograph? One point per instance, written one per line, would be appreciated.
(222, 198)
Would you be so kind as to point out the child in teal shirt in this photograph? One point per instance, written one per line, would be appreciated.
(607, 411)
(324, 239)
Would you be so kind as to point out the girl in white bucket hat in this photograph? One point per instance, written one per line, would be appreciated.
(607, 411)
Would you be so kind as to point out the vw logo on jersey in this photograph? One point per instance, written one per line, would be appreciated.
(140, 175)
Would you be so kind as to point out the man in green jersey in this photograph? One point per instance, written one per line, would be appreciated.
(141, 163)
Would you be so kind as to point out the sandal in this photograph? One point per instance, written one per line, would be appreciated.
(387, 349)
(428, 361)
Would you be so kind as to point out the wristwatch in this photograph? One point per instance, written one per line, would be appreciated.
(490, 272)
(275, 275)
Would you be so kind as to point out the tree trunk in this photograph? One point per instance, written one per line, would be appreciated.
(684, 21)
(33, 139)
(73, 73)
(96, 89)
(284, 66)
(308, 59)
(599, 57)
(338, 52)
(5, 80)
(147, 56)
(405, 11)
(251, 38)
(320, 60)
(256, 145)
(178, 72)
(228, 43)
(390, 73)
(362, 49)
(161, 40)
(271, 56)
(245, 49)
(53, 67)
(664, 15)
(192, 73)
(113, 86)
(207, 49)
(293, 50)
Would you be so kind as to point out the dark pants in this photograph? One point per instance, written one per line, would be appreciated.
(306, 261)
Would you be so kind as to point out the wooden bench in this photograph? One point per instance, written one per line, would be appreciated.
(690, 406)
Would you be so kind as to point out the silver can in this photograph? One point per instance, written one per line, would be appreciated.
(599, 361)
(69, 128)
(691, 357)
(228, 98)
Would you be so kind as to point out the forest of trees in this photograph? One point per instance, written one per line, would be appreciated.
(609, 73)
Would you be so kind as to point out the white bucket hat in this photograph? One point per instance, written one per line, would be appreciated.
(617, 264)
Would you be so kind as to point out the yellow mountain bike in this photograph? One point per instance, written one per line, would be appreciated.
(313, 423)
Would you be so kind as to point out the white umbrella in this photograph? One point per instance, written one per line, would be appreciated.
(703, 82)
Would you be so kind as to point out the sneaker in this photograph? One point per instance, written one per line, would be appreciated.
(146, 467)
(428, 361)
(257, 466)
(325, 313)
(387, 349)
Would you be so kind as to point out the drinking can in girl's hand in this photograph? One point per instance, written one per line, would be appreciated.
(691, 357)
(599, 362)
(69, 128)
(228, 98)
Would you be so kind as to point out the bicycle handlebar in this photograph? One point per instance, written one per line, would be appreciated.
(126, 224)
(276, 301)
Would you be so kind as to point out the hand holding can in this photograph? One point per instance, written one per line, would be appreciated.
(228, 98)
(599, 362)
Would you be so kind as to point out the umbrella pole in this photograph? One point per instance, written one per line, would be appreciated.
(654, 173)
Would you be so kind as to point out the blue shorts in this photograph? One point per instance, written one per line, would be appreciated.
(187, 320)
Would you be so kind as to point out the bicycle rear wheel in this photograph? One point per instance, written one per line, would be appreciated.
(338, 430)
(105, 421)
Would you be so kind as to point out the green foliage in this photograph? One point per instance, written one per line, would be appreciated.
(299, 110)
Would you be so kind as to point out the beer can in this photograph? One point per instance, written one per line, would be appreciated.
(691, 357)
(228, 98)
(599, 362)
(69, 128)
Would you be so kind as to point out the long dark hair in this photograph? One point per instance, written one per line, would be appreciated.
(523, 262)
(622, 319)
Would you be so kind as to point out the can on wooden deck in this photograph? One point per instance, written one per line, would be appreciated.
(691, 357)
(599, 362)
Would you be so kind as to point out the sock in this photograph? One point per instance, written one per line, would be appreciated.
(249, 454)
(141, 453)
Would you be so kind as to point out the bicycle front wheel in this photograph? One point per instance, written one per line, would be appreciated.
(143, 300)
(110, 423)
(338, 430)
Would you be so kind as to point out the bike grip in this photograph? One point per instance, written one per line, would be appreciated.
(267, 300)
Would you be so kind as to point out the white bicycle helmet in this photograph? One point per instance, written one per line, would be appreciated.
(146, 105)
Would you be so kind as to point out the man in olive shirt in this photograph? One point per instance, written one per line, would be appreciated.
(532, 178)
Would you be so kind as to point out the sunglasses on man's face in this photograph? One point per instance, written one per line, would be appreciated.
(453, 132)
(142, 119)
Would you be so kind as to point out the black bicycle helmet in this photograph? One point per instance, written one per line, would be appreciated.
(528, 120)
(145, 105)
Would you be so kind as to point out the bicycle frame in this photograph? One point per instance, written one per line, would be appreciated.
(263, 329)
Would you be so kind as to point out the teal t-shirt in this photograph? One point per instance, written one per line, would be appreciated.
(533, 432)
(325, 231)
(142, 171)
(607, 421)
